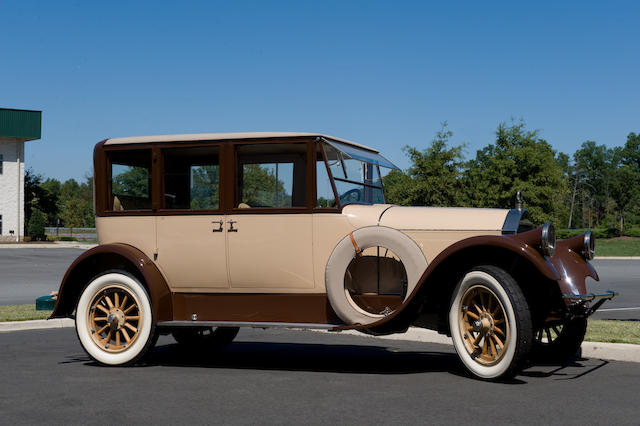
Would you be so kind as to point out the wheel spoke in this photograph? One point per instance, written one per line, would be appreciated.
(100, 318)
(132, 317)
(117, 339)
(499, 330)
(102, 329)
(472, 315)
(126, 311)
(557, 330)
(107, 339)
(116, 298)
(106, 298)
(548, 333)
(124, 301)
(485, 347)
(498, 341)
(103, 309)
(477, 339)
(130, 327)
(490, 304)
(493, 347)
(477, 308)
(126, 335)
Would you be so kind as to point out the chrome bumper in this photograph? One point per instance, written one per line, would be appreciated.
(590, 296)
(579, 307)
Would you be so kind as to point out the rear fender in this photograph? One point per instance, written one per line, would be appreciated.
(114, 256)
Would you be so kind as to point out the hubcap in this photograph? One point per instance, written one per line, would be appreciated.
(483, 325)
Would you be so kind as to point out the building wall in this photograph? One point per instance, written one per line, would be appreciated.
(12, 185)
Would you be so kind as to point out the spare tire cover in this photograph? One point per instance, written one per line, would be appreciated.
(404, 247)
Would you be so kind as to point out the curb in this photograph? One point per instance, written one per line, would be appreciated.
(49, 245)
(610, 351)
(36, 324)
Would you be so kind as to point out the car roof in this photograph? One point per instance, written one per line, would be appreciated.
(224, 136)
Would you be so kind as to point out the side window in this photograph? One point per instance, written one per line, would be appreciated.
(191, 178)
(130, 180)
(271, 175)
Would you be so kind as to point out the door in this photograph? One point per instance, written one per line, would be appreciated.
(191, 250)
(269, 230)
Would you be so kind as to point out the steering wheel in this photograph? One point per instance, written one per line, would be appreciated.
(349, 193)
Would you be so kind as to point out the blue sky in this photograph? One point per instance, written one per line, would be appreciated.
(385, 74)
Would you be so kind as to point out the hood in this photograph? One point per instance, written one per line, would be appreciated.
(427, 218)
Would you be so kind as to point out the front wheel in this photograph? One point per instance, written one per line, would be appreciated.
(490, 323)
(113, 319)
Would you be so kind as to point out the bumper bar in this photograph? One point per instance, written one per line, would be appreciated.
(590, 296)
(579, 300)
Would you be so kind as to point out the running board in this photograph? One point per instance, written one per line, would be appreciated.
(245, 324)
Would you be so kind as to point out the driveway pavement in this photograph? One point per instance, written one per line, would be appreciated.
(295, 377)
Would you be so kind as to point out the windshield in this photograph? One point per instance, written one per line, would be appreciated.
(356, 181)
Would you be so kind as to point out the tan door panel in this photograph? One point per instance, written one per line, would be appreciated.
(270, 251)
(191, 252)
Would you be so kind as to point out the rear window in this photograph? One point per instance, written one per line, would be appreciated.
(130, 184)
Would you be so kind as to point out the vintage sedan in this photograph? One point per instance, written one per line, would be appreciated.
(202, 234)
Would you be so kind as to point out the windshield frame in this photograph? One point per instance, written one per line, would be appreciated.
(339, 203)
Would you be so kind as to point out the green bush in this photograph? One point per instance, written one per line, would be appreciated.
(67, 239)
(632, 232)
(35, 227)
(562, 234)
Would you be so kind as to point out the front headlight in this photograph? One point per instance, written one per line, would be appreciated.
(589, 249)
(548, 241)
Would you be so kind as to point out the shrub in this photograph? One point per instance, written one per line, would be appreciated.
(35, 228)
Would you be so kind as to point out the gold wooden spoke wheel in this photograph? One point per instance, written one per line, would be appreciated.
(483, 325)
(114, 319)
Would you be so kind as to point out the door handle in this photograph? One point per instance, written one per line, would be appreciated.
(231, 228)
(220, 223)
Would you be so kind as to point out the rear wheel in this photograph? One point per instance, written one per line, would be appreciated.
(559, 342)
(490, 323)
(216, 337)
(113, 319)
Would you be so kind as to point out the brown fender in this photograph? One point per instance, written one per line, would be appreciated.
(522, 244)
(572, 266)
(110, 256)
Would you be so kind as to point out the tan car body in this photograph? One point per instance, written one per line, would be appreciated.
(270, 269)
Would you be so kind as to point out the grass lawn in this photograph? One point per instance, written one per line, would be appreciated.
(598, 330)
(22, 313)
(613, 331)
(621, 246)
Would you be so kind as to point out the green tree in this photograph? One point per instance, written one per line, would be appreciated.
(36, 224)
(518, 160)
(433, 179)
(37, 196)
(260, 187)
(204, 187)
(594, 168)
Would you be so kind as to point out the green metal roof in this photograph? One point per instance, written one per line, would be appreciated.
(20, 124)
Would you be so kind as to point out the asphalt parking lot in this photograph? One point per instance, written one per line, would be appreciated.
(299, 377)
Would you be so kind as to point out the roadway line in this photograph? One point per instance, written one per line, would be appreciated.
(618, 309)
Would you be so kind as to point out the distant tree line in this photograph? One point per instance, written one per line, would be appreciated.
(49, 202)
(596, 187)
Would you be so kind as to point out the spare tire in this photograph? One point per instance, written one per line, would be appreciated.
(404, 247)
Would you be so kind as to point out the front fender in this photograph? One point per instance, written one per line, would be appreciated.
(112, 256)
(522, 245)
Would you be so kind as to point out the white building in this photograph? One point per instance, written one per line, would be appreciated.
(16, 127)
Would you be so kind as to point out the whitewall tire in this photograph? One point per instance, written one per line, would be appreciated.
(490, 323)
(114, 319)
